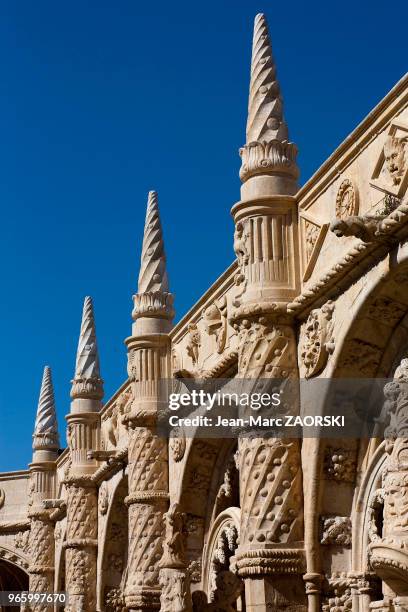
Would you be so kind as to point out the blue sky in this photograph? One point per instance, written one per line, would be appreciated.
(102, 101)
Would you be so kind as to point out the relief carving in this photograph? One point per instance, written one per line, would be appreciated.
(103, 502)
(317, 342)
(390, 172)
(215, 321)
(194, 343)
(2, 498)
(340, 464)
(22, 541)
(394, 160)
(336, 531)
(346, 200)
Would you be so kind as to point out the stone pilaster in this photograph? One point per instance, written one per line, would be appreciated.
(83, 436)
(149, 362)
(42, 487)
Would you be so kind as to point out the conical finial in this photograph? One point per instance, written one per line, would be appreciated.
(267, 150)
(87, 382)
(45, 435)
(153, 274)
(153, 299)
(265, 107)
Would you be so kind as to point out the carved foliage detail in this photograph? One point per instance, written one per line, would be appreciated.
(336, 530)
(317, 342)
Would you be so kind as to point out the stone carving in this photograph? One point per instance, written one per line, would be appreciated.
(22, 541)
(174, 578)
(225, 492)
(2, 498)
(241, 245)
(228, 589)
(340, 464)
(265, 350)
(317, 342)
(267, 149)
(339, 596)
(360, 356)
(394, 160)
(215, 321)
(391, 170)
(87, 381)
(174, 539)
(194, 343)
(46, 430)
(225, 548)
(346, 200)
(336, 531)
(386, 310)
(103, 502)
(153, 296)
(270, 483)
(177, 445)
(194, 569)
(114, 600)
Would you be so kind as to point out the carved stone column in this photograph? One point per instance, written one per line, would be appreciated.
(389, 550)
(42, 487)
(149, 363)
(82, 501)
(270, 555)
(174, 577)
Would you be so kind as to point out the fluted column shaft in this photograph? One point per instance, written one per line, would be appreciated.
(149, 362)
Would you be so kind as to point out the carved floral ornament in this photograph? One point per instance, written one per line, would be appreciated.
(317, 341)
(346, 200)
(215, 321)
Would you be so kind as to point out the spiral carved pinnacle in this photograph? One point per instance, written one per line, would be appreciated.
(267, 149)
(46, 430)
(153, 274)
(265, 107)
(87, 382)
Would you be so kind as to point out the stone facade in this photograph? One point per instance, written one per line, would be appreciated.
(124, 520)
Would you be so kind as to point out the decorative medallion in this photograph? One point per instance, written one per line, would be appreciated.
(346, 200)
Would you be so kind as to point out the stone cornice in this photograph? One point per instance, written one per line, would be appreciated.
(374, 122)
(17, 475)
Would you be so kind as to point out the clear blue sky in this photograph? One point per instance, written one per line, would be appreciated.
(102, 101)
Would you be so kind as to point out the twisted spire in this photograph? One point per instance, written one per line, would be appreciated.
(45, 435)
(87, 382)
(265, 106)
(153, 299)
(153, 274)
(267, 149)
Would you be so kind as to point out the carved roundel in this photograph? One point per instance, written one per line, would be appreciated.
(2, 498)
(346, 200)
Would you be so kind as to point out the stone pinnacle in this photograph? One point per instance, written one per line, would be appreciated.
(45, 435)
